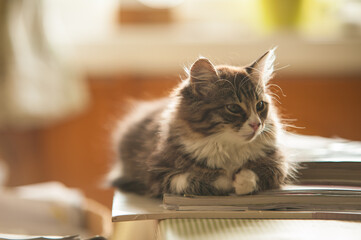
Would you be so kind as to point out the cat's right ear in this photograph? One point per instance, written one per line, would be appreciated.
(202, 76)
(261, 70)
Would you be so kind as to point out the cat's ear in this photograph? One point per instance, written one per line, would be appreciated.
(202, 75)
(262, 69)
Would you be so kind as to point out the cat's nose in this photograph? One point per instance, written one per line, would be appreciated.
(255, 125)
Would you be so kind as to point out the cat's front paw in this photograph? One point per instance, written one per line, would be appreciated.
(245, 182)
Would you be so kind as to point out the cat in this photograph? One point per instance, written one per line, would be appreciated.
(216, 134)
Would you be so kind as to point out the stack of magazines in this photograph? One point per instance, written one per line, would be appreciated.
(290, 198)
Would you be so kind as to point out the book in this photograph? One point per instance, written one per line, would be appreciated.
(295, 198)
(344, 173)
(324, 161)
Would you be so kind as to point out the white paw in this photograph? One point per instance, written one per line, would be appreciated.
(245, 182)
(223, 183)
(179, 183)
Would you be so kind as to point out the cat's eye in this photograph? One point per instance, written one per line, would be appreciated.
(260, 106)
(234, 108)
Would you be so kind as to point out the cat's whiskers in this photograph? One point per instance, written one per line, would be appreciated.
(268, 137)
(281, 68)
(270, 131)
(286, 123)
(268, 86)
(292, 126)
(275, 98)
(274, 95)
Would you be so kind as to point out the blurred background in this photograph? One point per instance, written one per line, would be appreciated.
(68, 68)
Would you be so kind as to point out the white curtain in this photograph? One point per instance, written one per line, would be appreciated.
(36, 87)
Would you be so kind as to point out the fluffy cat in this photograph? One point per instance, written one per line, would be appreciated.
(215, 135)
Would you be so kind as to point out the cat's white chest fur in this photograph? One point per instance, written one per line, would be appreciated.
(224, 151)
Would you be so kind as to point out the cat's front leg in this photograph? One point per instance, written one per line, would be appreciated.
(265, 173)
(245, 182)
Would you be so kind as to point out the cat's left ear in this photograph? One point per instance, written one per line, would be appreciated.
(202, 75)
(262, 69)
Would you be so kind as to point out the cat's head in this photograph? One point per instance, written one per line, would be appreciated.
(228, 101)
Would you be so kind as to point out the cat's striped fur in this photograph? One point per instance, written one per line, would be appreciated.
(216, 134)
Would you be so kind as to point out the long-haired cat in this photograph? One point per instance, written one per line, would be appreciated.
(216, 134)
